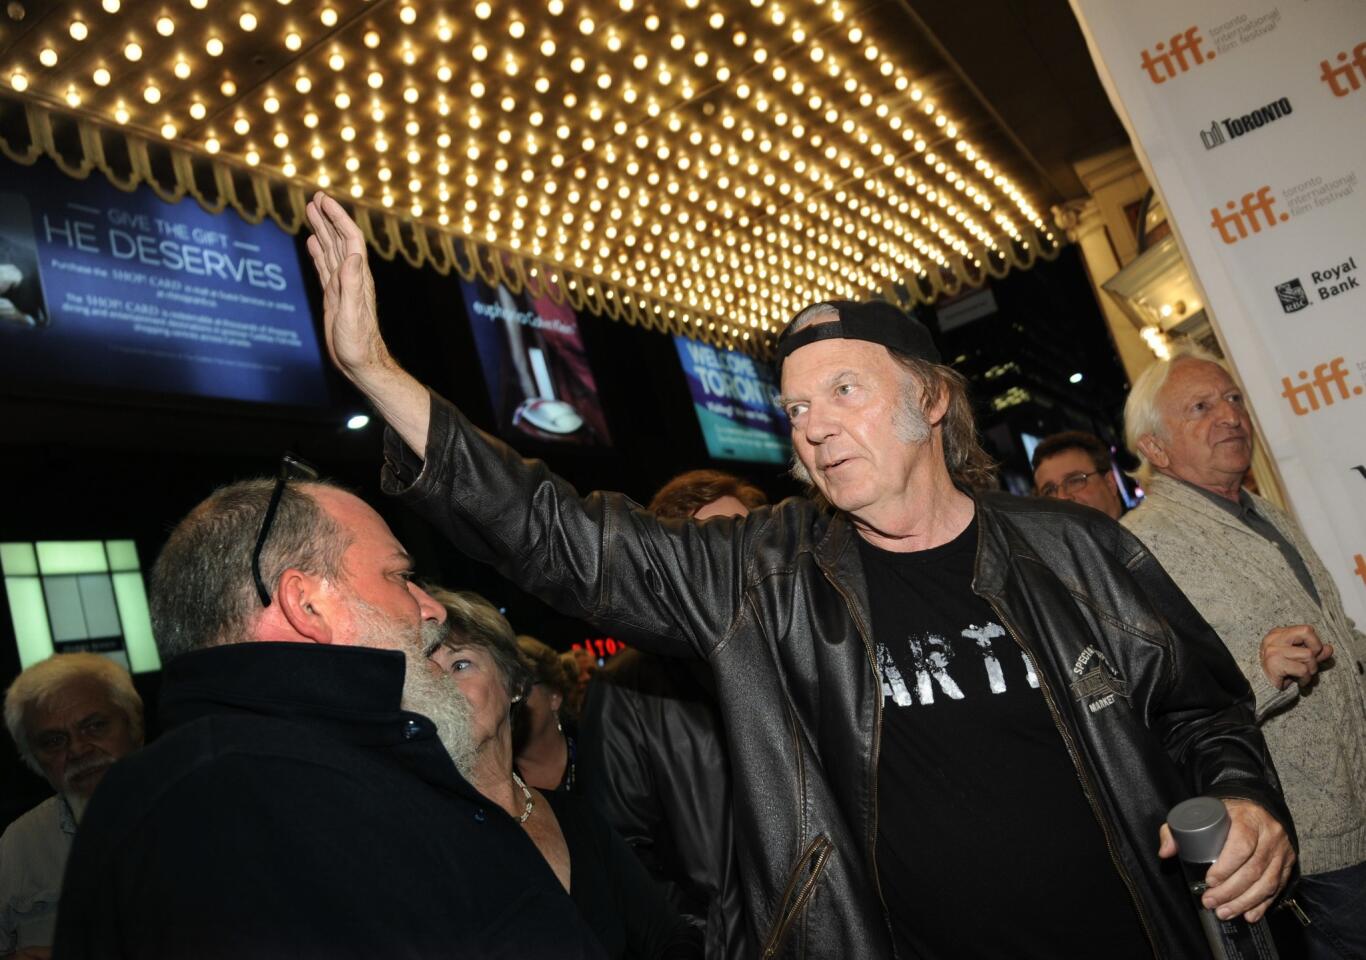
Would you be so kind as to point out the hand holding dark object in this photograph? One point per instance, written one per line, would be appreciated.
(1253, 866)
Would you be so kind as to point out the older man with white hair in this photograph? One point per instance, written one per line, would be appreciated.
(71, 716)
(1251, 572)
(956, 719)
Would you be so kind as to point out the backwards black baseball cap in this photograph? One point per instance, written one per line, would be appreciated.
(875, 321)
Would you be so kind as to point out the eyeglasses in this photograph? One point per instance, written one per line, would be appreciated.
(291, 468)
(1072, 483)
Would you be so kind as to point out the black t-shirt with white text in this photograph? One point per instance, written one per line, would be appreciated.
(987, 846)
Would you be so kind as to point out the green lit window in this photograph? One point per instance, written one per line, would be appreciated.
(79, 595)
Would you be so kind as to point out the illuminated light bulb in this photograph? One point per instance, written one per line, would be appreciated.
(444, 32)
(516, 29)
(328, 16)
(303, 84)
(479, 52)
(371, 39)
(375, 79)
(317, 152)
(281, 139)
(133, 51)
(211, 145)
(700, 58)
(213, 47)
(78, 30)
(253, 158)
(508, 104)
(410, 95)
(483, 10)
(151, 94)
(577, 64)
(73, 97)
(408, 14)
(412, 128)
(198, 111)
(227, 88)
(241, 126)
(101, 76)
(247, 21)
(181, 70)
(510, 67)
(111, 6)
(381, 145)
(604, 80)
(677, 41)
(586, 26)
(47, 57)
(652, 23)
(336, 61)
(348, 133)
(547, 47)
(168, 130)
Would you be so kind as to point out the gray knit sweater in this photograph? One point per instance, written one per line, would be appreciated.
(1243, 586)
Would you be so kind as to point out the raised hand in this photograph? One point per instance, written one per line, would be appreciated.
(351, 324)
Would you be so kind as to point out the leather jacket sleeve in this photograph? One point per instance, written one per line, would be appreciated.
(601, 557)
(1205, 715)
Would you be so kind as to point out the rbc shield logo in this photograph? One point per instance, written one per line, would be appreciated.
(1292, 296)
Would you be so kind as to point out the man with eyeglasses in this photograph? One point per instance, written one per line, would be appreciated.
(1076, 466)
(308, 798)
(72, 717)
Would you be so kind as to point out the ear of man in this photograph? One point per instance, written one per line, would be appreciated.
(304, 603)
(1152, 448)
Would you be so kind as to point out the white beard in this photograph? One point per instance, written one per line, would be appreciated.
(433, 695)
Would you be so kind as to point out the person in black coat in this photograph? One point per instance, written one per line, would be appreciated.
(305, 800)
(621, 903)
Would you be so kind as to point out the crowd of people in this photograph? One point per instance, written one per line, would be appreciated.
(903, 715)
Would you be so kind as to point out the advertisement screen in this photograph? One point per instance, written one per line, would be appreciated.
(535, 366)
(734, 399)
(119, 290)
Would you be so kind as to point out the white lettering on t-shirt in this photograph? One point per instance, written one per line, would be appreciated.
(984, 636)
(930, 659)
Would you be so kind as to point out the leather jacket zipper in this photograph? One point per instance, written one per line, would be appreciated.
(1081, 774)
(813, 861)
(877, 740)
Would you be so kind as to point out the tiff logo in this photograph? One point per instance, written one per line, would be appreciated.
(1353, 71)
(1169, 61)
(1255, 207)
(1326, 377)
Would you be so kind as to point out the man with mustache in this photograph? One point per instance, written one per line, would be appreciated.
(307, 798)
(71, 717)
(1251, 572)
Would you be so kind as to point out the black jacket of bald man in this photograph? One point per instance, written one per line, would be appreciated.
(293, 810)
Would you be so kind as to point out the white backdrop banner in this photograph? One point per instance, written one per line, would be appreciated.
(1249, 117)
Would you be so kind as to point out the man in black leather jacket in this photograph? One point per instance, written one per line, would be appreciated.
(1140, 704)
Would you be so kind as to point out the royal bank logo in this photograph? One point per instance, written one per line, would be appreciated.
(1231, 128)
(1349, 76)
(1292, 296)
(1253, 214)
(1327, 386)
(1168, 59)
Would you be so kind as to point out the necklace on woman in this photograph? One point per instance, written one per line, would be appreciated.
(530, 803)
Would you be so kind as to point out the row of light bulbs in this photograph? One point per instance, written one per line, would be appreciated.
(797, 179)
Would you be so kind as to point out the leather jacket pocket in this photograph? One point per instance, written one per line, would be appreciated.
(800, 887)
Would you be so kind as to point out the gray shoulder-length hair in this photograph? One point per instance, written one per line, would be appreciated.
(474, 622)
(968, 462)
(45, 679)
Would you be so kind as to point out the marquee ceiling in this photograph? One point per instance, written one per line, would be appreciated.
(718, 162)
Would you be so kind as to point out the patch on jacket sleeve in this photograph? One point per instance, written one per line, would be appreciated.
(1096, 685)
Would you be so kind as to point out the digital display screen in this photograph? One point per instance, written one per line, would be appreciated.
(108, 289)
(78, 596)
(734, 397)
(535, 366)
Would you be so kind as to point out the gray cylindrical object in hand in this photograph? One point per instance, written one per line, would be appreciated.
(1200, 826)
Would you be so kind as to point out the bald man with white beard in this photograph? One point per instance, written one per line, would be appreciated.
(307, 799)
